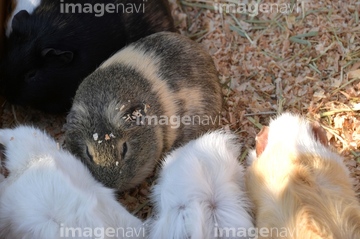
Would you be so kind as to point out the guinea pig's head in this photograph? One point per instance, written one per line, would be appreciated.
(119, 151)
(35, 66)
(292, 132)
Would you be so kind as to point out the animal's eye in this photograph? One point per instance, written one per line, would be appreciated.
(89, 154)
(124, 150)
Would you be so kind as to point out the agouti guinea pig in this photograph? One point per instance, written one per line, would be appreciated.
(46, 193)
(300, 188)
(50, 51)
(153, 95)
(201, 191)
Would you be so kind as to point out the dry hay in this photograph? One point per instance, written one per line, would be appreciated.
(304, 62)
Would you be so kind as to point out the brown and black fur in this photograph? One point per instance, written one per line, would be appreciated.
(165, 74)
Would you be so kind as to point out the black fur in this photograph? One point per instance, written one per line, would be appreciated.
(49, 53)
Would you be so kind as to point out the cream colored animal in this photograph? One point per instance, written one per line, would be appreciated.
(300, 188)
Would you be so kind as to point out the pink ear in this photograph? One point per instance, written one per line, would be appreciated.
(261, 140)
(319, 133)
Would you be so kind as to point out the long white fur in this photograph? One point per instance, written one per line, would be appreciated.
(201, 190)
(48, 189)
(28, 5)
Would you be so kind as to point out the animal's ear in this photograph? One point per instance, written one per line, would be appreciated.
(57, 56)
(261, 140)
(19, 19)
(319, 133)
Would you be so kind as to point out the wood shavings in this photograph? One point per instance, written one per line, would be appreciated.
(136, 114)
(305, 62)
(354, 74)
(146, 107)
(95, 136)
(128, 118)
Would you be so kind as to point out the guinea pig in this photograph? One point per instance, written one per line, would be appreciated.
(50, 51)
(148, 98)
(15, 7)
(300, 187)
(200, 192)
(45, 192)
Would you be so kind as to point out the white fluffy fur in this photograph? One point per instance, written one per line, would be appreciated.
(200, 190)
(293, 134)
(28, 5)
(48, 189)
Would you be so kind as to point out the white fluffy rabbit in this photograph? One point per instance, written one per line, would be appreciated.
(46, 192)
(17, 6)
(200, 192)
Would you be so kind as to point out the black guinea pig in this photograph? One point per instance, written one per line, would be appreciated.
(50, 51)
